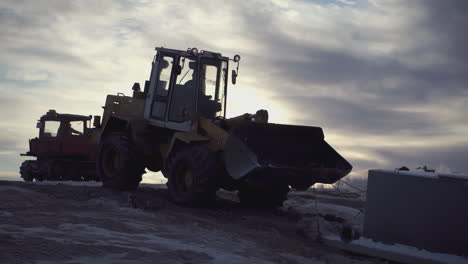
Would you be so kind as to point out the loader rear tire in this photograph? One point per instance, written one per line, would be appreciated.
(263, 197)
(120, 163)
(192, 176)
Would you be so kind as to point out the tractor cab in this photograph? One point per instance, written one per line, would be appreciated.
(184, 85)
(61, 135)
(53, 124)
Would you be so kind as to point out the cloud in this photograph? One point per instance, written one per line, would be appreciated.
(8, 146)
(396, 85)
(346, 2)
(452, 158)
(358, 118)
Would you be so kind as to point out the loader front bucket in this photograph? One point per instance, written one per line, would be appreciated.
(296, 154)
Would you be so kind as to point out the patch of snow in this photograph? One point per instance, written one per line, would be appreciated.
(104, 202)
(431, 175)
(5, 214)
(409, 251)
(146, 242)
(106, 259)
(300, 259)
(340, 209)
(17, 189)
(72, 183)
(95, 229)
(14, 229)
(322, 207)
(454, 176)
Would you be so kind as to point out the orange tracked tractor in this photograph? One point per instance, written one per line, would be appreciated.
(65, 149)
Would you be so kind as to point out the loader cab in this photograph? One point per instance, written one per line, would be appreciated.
(184, 85)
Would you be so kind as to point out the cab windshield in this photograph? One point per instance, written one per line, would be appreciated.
(212, 88)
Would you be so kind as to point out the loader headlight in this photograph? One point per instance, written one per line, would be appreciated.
(236, 58)
(194, 50)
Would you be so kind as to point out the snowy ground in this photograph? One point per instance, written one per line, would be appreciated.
(84, 223)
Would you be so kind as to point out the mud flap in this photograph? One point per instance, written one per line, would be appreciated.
(296, 154)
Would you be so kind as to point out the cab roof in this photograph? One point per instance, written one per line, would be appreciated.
(193, 52)
(52, 115)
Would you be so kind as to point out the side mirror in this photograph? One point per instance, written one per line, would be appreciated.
(97, 121)
(163, 64)
(235, 72)
(234, 76)
(177, 69)
(136, 87)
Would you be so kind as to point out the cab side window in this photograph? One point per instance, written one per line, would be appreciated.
(208, 99)
(77, 127)
(209, 83)
(160, 100)
(165, 68)
(51, 128)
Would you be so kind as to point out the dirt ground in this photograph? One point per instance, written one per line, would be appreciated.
(62, 223)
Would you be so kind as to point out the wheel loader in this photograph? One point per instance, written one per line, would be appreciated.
(65, 149)
(177, 124)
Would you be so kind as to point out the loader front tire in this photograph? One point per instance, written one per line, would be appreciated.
(191, 176)
(120, 163)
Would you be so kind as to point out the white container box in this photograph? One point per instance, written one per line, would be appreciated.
(425, 210)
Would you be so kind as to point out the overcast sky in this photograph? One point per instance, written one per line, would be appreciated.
(387, 80)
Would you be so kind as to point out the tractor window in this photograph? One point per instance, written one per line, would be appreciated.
(188, 66)
(165, 68)
(70, 128)
(184, 92)
(209, 101)
(163, 78)
(209, 83)
(223, 88)
(51, 128)
(77, 127)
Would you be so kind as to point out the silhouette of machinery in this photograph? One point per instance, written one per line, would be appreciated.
(65, 149)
